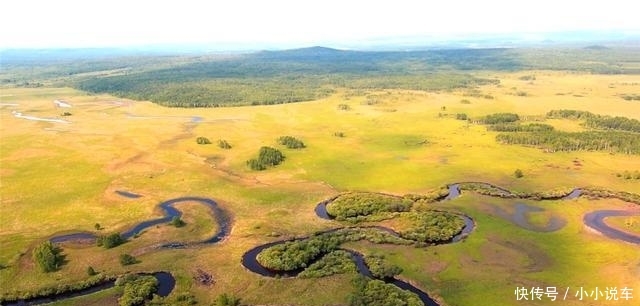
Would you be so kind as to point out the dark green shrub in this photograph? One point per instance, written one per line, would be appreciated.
(254, 164)
(223, 144)
(110, 241)
(267, 157)
(433, 226)
(351, 206)
(381, 268)
(91, 271)
(375, 292)
(48, 257)
(136, 289)
(518, 173)
(203, 140)
(177, 222)
(336, 262)
(227, 300)
(299, 254)
(291, 142)
(344, 107)
(500, 118)
(126, 259)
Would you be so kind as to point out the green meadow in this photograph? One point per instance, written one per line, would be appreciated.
(61, 178)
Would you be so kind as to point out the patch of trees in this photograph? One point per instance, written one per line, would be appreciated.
(628, 175)
(514, 127)
(91, 271)
(267, 157)
(359, 205)
(631, 97)
(613, 123)
(598, 121)
(569, 114)
(300, 254)
(554, 141)
(344, 107)
(499, 118)
(336, 262)
(223, 144)
(381, 268)
(48, 257)
(57, 289)
(127, 259)
(136, 289)
(110, 241)
(429, 197)
(433, 227)
(369, 292)
(291, 142)
(461, 116)
(488, 189)
(203, 140)
(295, 255)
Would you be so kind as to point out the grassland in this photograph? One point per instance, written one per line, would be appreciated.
(57, 178)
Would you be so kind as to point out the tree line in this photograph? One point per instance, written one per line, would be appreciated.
(555, 141)
(598, 121)
(613, 134)
(499, 118)
(514, 127)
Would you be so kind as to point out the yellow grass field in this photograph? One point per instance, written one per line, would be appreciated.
(63, 177)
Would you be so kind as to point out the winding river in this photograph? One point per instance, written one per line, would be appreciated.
(166, 282)
(595, 220)
(592, 219)
(250, 261)
(221, 218)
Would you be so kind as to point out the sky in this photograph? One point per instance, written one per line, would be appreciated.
(116, 23)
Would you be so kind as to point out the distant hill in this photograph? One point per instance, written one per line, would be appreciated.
(596, 47)
(316, 51)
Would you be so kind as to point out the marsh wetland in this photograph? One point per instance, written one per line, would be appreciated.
(321, 177)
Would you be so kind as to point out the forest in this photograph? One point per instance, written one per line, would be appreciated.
(607, 133)
(274, 77)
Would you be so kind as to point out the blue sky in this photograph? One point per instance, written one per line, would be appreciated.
(74, 23)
